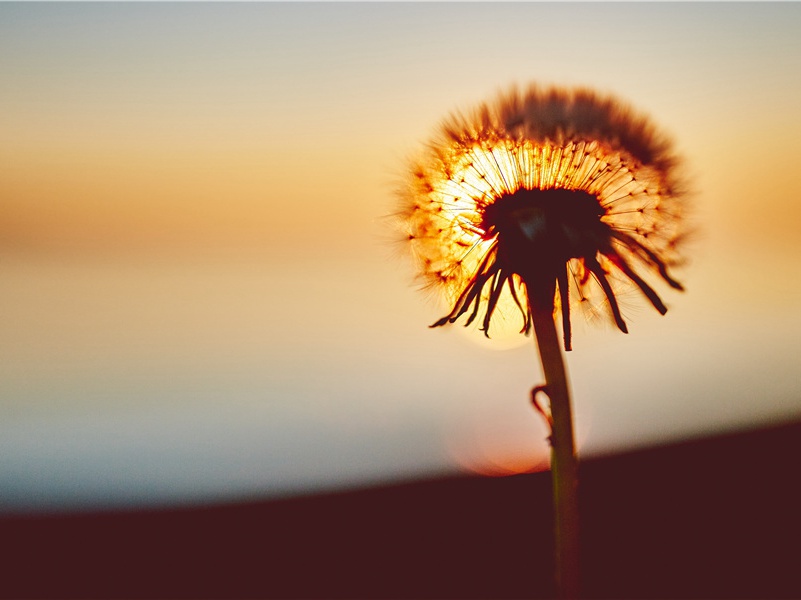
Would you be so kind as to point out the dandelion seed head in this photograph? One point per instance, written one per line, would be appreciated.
(544, 185)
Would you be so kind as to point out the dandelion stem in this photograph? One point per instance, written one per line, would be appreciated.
(564, 466)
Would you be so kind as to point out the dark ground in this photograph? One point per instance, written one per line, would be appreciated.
(717, 518)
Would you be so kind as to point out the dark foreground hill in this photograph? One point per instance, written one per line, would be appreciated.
(718, 518)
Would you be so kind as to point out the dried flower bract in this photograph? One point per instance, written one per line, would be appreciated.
(543, 198)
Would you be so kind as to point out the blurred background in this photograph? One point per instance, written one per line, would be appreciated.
(202, 300)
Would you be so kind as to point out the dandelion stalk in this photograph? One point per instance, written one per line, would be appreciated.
(564, 465)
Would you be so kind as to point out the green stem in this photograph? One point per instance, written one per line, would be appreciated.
(564, 466)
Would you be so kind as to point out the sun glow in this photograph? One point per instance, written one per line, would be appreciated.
(483, 173)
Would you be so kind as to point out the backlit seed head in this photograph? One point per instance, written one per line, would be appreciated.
(541, 190)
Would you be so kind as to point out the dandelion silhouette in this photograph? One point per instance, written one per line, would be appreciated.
(539, 200)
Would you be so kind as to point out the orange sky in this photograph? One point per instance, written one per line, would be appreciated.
(191, 232)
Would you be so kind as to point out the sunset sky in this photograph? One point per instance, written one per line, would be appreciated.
(200, 294)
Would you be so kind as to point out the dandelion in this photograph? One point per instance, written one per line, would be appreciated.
(543, 200)
(542, 189)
